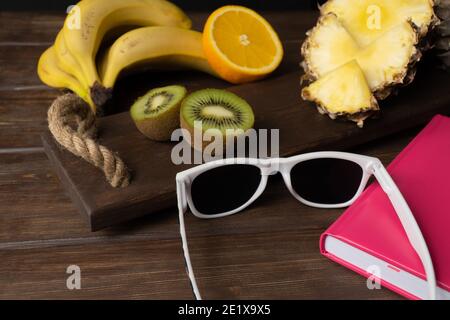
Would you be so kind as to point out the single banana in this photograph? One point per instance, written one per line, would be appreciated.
(99, 16)
(53, 76)
(66, 61)
(153, 45)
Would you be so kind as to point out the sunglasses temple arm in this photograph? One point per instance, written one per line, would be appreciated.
(182, 206)
(409, 224)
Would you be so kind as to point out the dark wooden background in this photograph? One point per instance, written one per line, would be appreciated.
(269, 251)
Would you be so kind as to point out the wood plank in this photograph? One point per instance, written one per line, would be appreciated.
(119, 269)
(29, 27)
(273, 266)
(23, 117)
(34, 207)
(263, 266)
(19, 67)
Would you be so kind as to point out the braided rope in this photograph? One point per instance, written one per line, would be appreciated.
(68, 109)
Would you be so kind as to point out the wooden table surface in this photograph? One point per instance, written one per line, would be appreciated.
(269, 251)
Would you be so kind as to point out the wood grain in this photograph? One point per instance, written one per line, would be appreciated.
(17, 61)
(252, 266)
(23, 117)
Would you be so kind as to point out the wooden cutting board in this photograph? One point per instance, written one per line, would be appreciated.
(276, 104)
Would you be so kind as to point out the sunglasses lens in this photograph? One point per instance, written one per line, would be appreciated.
(224, 188)
(327, 180)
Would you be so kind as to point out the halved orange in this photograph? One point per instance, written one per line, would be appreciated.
(240, 45)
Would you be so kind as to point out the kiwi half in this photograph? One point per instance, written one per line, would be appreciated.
(157, 113)
(216, 109)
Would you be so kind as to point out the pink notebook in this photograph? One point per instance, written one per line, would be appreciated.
(369, 239)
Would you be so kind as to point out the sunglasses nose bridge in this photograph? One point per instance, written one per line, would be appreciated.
(269, 169)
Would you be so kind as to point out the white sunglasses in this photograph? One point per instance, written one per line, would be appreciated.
(318, 179)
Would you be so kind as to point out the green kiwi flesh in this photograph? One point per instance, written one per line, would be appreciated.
(216, 109)
(157, 113)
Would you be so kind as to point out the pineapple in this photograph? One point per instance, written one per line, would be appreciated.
(343, 92)
(443, 31)
(380, 37)
(366, 20)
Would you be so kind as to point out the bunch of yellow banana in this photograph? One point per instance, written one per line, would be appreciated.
(163, 39)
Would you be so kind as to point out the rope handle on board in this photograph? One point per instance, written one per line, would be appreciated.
(68, 109)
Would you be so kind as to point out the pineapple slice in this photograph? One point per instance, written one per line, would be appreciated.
(367, 20)
(388, 60)
(327, 46)
(343, 92)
